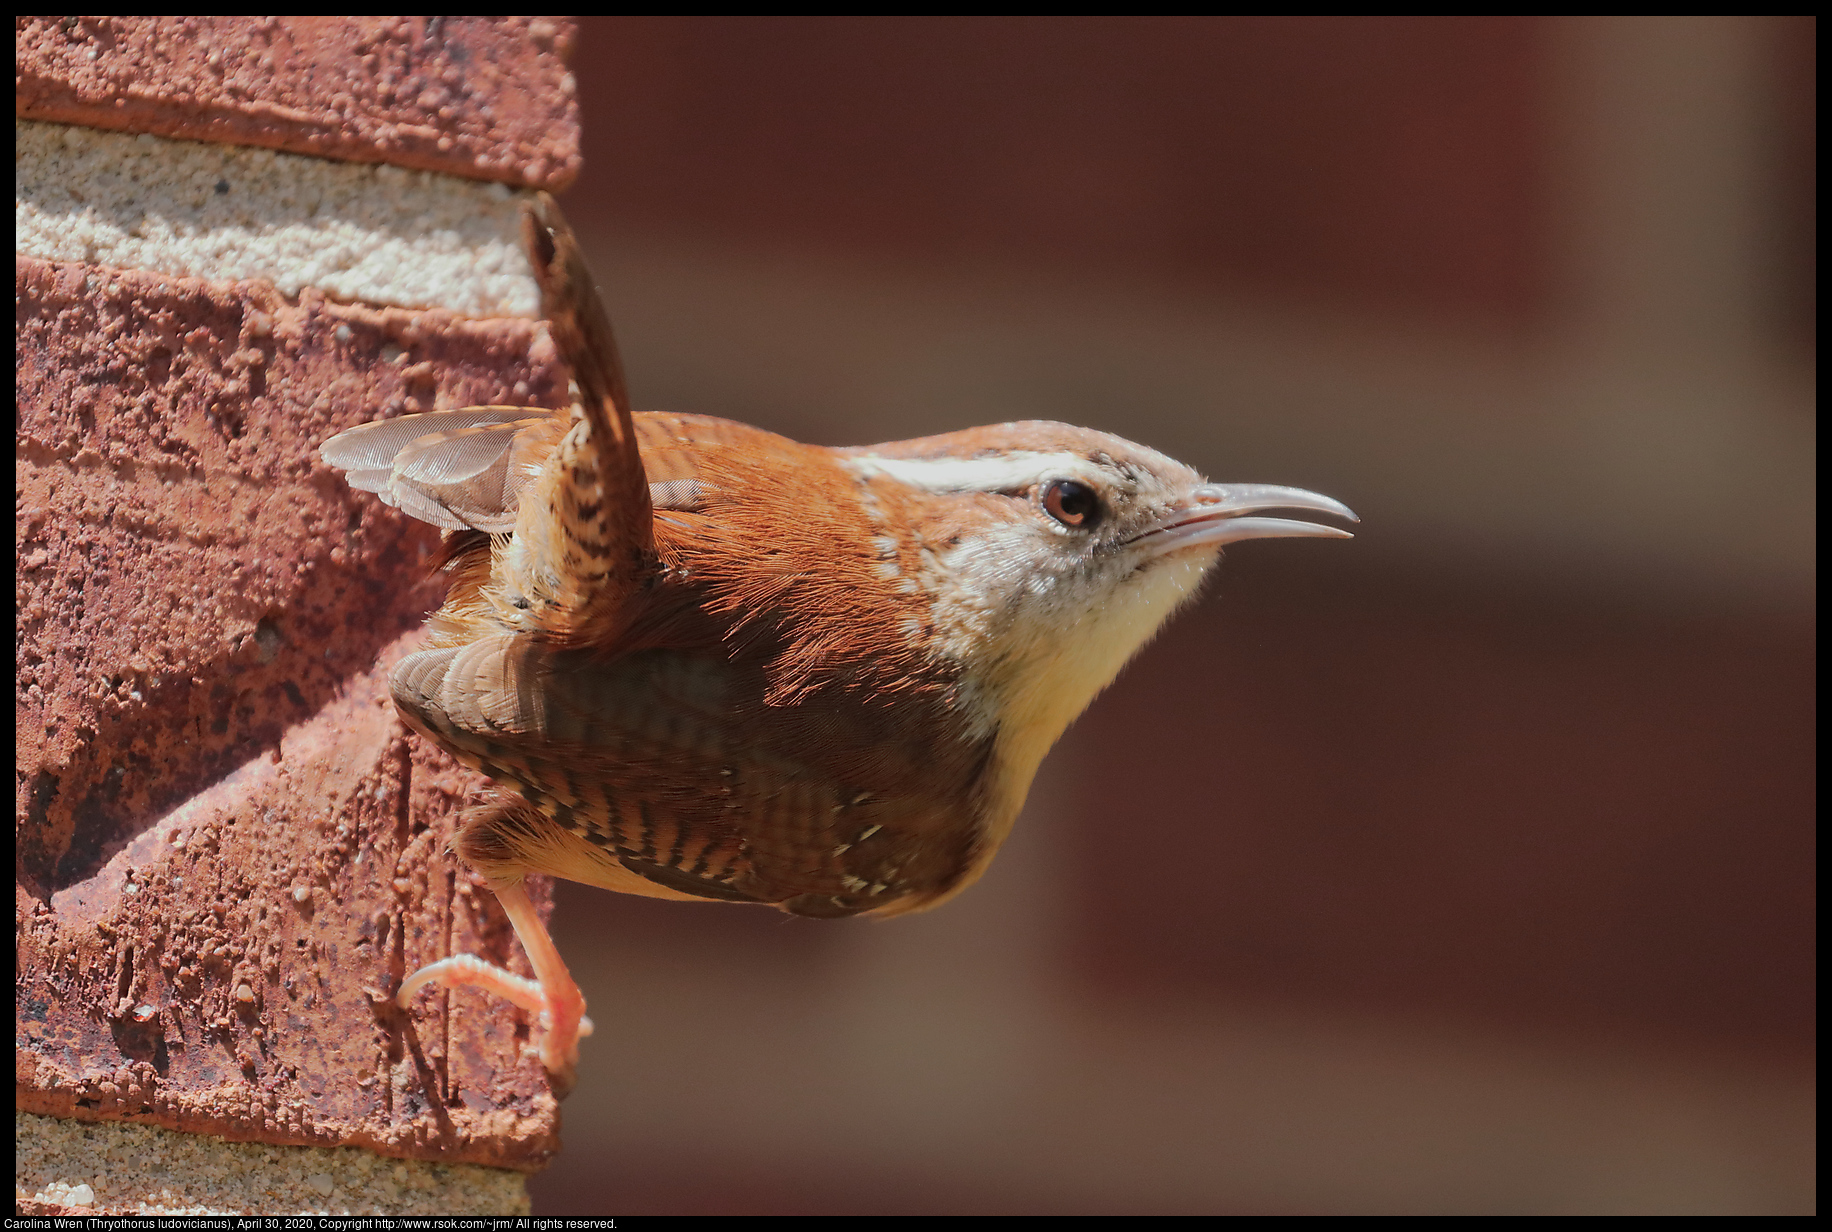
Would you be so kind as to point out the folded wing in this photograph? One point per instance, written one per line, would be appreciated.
(459, 470)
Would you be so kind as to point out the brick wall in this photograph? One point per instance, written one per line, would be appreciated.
(237, 237)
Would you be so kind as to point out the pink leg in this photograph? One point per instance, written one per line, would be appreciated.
(551, 994)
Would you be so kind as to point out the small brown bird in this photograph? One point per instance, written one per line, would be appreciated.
(707, 662)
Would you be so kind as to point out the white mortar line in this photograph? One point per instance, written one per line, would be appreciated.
(359, 233)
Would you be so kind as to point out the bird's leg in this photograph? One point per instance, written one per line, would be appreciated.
(551, 994)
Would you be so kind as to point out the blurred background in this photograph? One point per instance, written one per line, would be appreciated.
(1464, 867)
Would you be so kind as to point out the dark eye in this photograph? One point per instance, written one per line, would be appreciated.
(1072, 504)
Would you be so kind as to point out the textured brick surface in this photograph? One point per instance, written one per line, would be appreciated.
(227, 848)
(487, 98)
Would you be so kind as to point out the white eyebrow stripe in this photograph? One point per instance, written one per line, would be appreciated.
(1006, 472)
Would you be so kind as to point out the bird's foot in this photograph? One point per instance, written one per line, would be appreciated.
(561, 1017)
(553, 997)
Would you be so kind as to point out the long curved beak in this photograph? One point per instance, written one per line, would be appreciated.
(1213, 516)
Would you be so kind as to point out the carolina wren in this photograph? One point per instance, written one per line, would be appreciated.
(707, 662)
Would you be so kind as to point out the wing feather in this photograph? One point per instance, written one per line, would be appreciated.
(459, 469)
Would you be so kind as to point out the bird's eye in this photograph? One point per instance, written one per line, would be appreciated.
(1071, 503)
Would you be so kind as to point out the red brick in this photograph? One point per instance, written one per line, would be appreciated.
(486, 98)
(202, 605)
(1370, 163)
(1406, 795)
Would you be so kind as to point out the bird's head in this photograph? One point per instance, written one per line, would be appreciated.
(1053, 553)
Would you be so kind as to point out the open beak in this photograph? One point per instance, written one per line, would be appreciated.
(1213, 516)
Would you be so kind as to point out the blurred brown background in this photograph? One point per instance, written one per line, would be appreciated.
(1464, 867)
